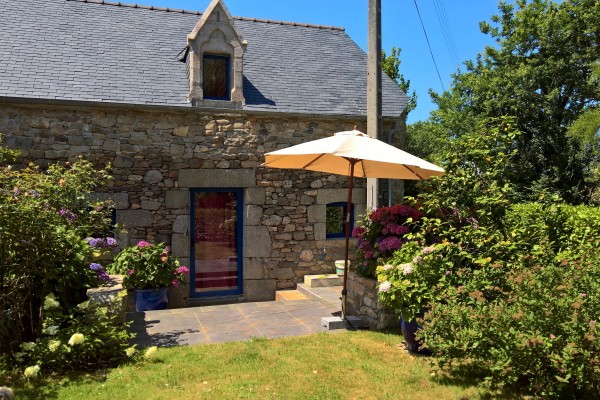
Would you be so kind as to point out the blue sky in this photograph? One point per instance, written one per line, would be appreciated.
(400, 28)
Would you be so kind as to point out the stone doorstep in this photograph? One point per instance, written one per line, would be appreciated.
(286, 296)
(324, 280)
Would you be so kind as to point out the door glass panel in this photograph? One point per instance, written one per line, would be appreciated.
(215, 242)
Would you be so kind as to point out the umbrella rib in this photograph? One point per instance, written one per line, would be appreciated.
(313, 161)
(419, 176)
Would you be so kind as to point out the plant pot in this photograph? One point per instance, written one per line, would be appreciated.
(339, 267)
(150, 299)
(409, 330)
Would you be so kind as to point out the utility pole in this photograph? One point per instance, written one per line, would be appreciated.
(374, 90)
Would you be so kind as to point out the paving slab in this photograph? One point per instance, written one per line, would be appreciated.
(235, 322)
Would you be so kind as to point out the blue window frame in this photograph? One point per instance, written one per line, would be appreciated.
(215, 77)
(335, 219)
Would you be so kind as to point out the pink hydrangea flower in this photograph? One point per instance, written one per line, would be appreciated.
(142, 243)
(407, 269)
(182, 270)
(368, 254)
(175, 282)
(428, 250)
(385, 286)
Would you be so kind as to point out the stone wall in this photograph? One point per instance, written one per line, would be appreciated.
(157, 156)
(363, 302)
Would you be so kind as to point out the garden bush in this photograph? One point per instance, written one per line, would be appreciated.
(511, 289)
(380, 233)
(51, 235)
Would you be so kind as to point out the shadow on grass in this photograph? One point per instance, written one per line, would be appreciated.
(49, 388)
(470, 375)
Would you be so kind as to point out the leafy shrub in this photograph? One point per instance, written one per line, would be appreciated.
(148, 266)
(89, 338)
(51, 235)
(381, 233)
(538, 335)
(510, 289)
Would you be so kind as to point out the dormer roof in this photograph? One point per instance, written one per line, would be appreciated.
(216, 12)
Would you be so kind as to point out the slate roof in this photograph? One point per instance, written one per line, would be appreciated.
(87, 51)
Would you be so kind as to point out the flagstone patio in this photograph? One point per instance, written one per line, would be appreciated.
(297, 312)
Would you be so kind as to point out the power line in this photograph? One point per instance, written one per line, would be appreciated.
(440, 10)
(429, 45)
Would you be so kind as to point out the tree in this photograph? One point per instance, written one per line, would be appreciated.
(391, 66)
(539, 72)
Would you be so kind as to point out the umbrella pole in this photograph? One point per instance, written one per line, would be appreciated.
(347, 223)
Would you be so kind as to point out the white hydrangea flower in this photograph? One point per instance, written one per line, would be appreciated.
(53, 345)
(51, 302)
(130, 351)
(27, 346)
(385, 286)
(52, 330)
(150, 352)
(77, 338)
(387, 267)
(32, 371)
(407, 268)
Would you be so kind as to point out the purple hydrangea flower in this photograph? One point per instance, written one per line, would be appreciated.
(96, 267)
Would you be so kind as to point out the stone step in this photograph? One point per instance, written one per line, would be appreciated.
(286, 296)
(326, 295)
(325, 280)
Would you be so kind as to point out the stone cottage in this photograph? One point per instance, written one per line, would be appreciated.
(184, 105)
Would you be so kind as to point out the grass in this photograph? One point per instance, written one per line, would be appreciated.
(347, 365)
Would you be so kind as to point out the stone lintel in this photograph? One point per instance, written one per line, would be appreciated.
(326, 196)
(216, 178)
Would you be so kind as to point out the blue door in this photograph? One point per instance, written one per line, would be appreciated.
(216, 248)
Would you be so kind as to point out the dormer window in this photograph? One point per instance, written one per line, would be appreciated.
(215, 77)
(216, 60)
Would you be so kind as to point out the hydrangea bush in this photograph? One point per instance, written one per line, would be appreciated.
(148, 266)
(50, 231)
(510, 290)
(381, 233)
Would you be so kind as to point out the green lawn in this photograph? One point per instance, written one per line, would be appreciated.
(345, 365)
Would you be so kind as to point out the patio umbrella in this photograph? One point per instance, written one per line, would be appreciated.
(356, 155)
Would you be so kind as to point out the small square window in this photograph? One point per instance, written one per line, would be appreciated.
(215, 76)
(335, 219)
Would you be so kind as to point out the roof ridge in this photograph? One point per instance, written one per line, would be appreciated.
(175, 10)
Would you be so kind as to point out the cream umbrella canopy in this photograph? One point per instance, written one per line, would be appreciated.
(356, 155)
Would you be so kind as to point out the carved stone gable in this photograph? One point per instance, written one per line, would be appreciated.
(216, 37)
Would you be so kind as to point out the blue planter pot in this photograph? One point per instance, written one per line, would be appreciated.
(150, 299)
(409, 330)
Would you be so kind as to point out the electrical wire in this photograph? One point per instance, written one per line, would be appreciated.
(440, 10)
(429, 45)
